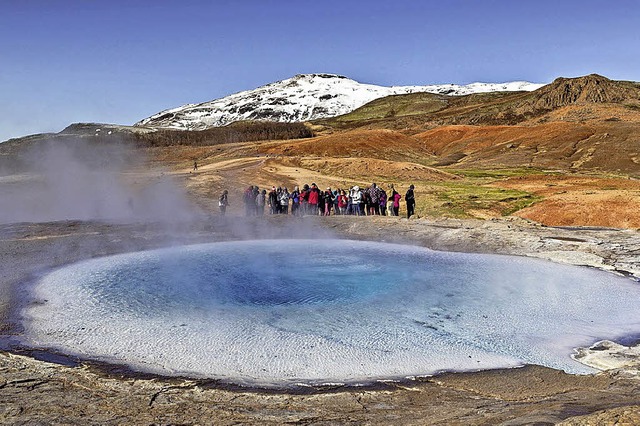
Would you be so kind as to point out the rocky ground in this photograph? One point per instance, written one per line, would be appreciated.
(38, 392)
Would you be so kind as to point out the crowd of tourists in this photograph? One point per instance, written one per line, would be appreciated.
(311, 200)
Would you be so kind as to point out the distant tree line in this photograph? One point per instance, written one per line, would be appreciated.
(233, 133)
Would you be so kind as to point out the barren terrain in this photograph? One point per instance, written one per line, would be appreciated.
(551, 174)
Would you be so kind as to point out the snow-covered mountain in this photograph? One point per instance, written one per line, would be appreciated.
(302, 98)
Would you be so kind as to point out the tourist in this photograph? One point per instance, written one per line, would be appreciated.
(372, 200)
(321, 203)
(335, 195)
(409, 198)
(255, 192)
(223, 202)
(283, 200)
(395, 200)
(356, 198)
(328, 202)
(383, 202)
(390, 200)
(304, 200)
(350, 210)
(365, 203)
(314, 199)
(249, 201)
(373, 197)
(272, 201)
(342, 202)
(295, 201)
(278, 193)
(260, 202)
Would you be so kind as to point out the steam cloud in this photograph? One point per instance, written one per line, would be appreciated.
(80, 179)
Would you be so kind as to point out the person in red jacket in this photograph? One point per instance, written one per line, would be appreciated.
(314, 198)
(342, 202)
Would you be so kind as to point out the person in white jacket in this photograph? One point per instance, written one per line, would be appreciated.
(356, 199)
(283, 199)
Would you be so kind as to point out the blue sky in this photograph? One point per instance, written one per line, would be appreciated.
(119, 61)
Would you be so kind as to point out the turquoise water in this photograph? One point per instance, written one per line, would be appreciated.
(278, 312)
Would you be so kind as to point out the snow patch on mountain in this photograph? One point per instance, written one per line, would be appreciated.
(302, 98)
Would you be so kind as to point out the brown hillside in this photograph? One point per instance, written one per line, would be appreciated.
(504, 141)
(381, 144)
(469, 139)
(357, 169)
(613, 147)
(592, 88)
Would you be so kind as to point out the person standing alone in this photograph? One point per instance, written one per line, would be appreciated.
(411, 201)
(223, 202)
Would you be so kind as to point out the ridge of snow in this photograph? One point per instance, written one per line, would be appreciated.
(303, 97)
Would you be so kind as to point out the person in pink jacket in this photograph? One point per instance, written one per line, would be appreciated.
(395, 197)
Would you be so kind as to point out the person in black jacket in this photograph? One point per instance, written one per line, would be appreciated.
(223, 202)
(411, 201)
(273, 201)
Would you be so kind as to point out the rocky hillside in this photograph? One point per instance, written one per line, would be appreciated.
(302, 98)
(589, 98)
(592, 88)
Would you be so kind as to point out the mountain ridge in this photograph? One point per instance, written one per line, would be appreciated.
(591, 97)
(304, 97)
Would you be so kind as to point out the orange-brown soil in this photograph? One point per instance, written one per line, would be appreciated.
(605, 146)
(567, 166)
(584, 201)
(382, 144)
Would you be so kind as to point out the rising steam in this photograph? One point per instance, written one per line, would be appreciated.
(81, 179)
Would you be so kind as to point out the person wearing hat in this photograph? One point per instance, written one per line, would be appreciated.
(411, 201)
(356, 198)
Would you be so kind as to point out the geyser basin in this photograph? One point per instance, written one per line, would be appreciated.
(278, 312)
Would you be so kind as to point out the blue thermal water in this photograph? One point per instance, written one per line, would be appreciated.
(276, 312)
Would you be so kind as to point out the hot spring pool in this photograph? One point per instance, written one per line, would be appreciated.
(281, 312)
